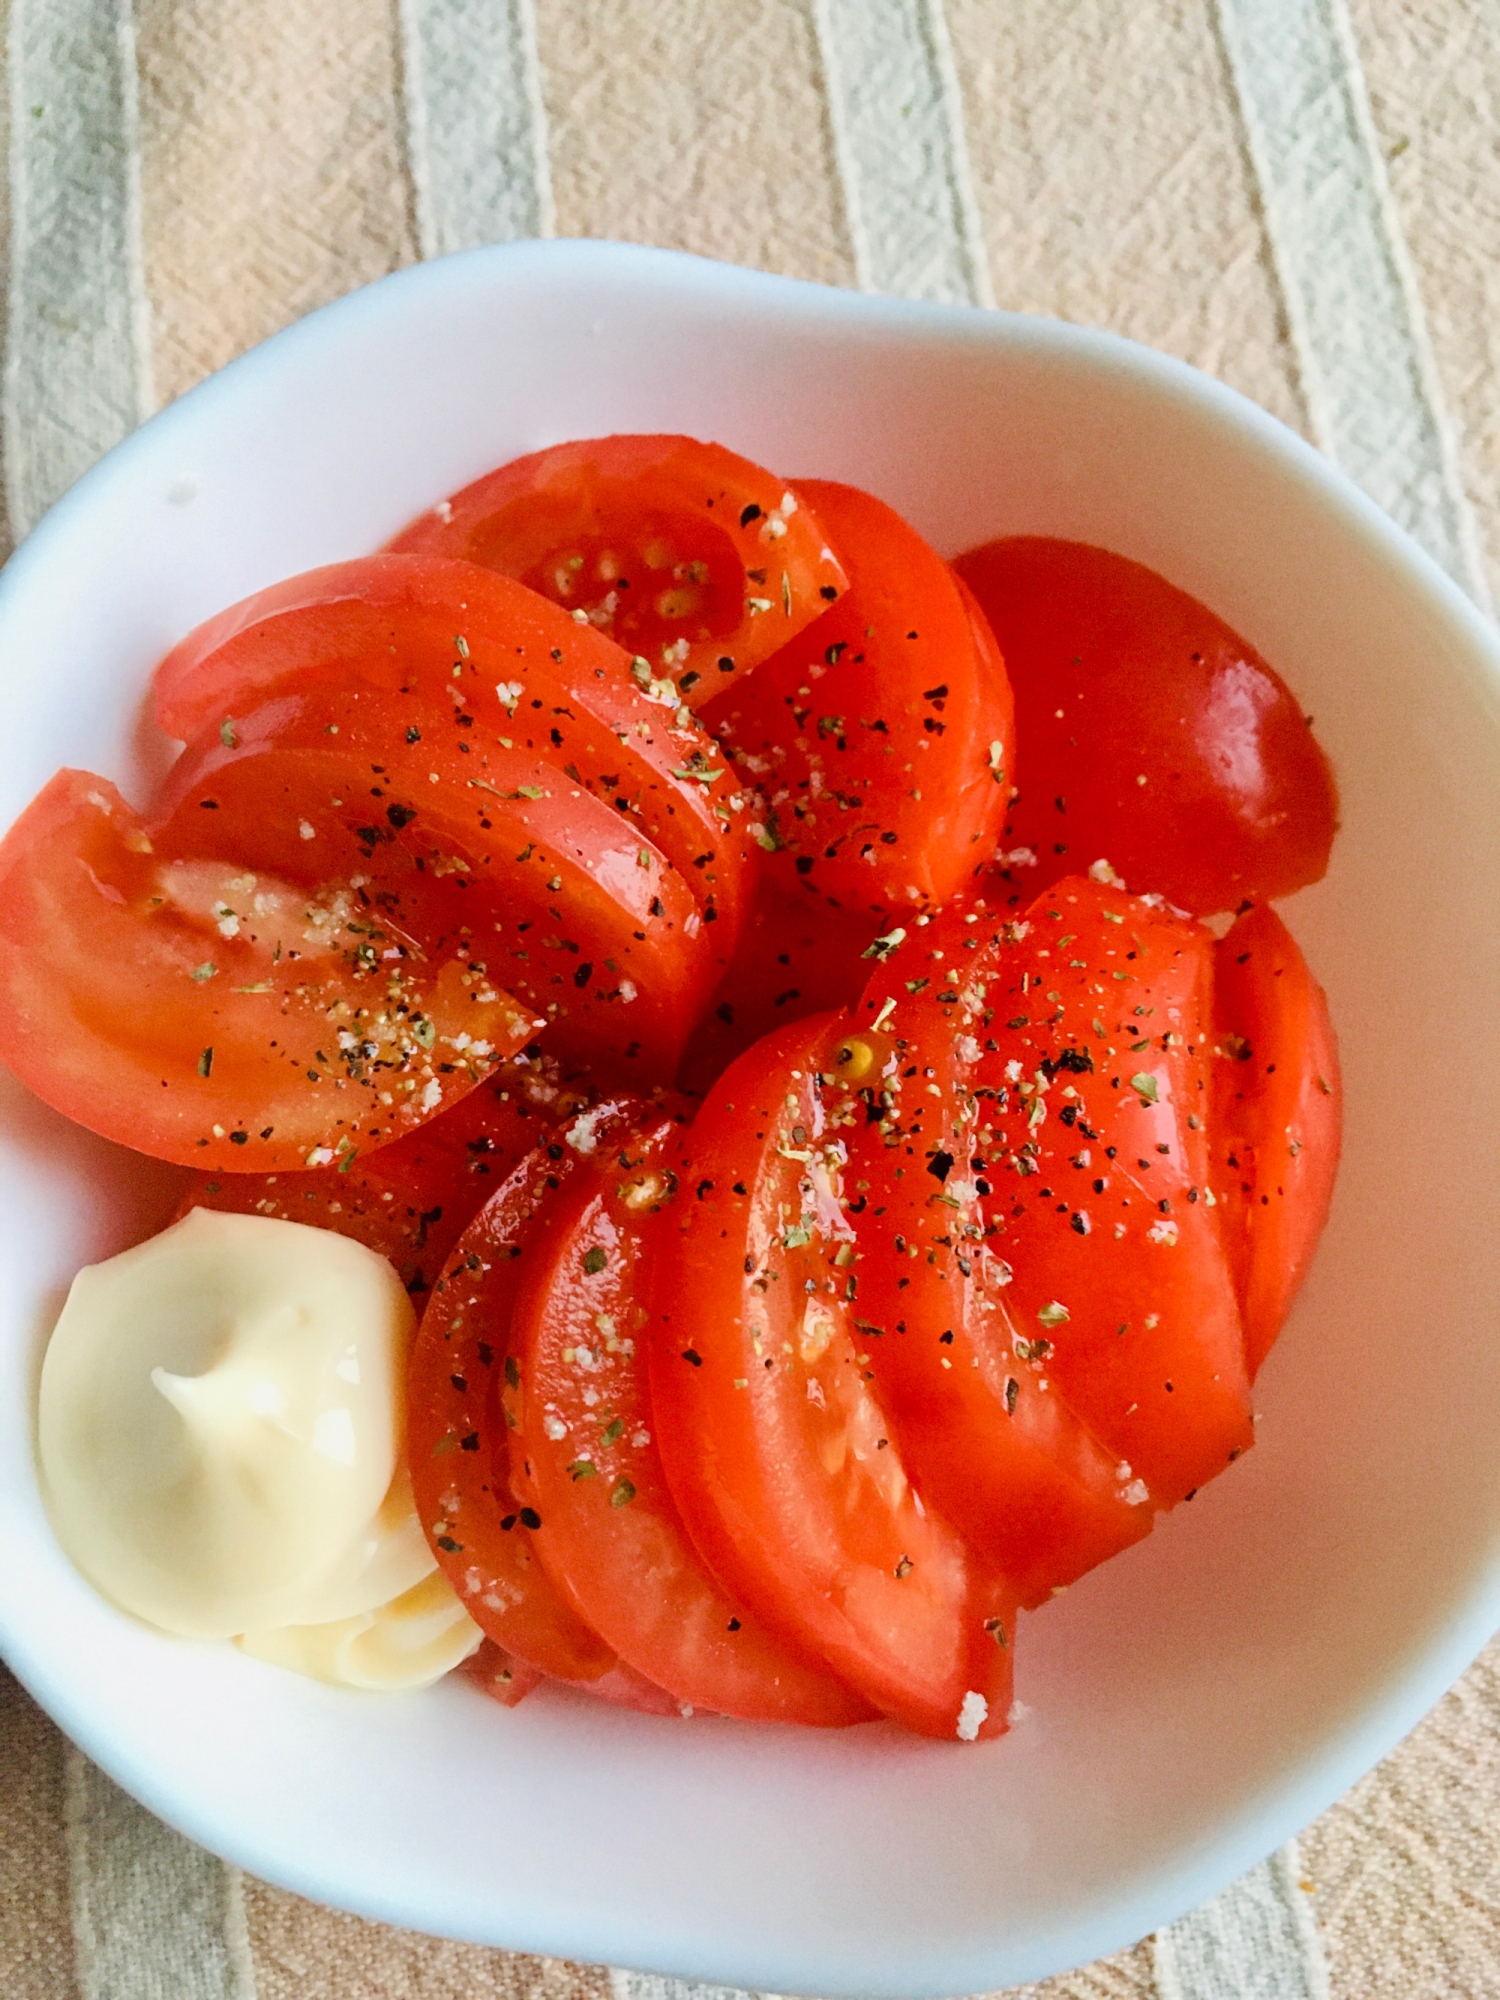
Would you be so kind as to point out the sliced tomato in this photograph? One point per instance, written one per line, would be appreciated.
(583, 919)
(584, 1433)
(773, 1420)
(794, 959)
(689, 556)
(1151, 735)
(501, 663)
(881, 739)
(163, 997)
(987, 1435)
(499, 1674)
(479, 1531)
(1086, 1028)
(411, 1201)
(1277, 1118)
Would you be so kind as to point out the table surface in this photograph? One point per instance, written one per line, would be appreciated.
(1300, 196)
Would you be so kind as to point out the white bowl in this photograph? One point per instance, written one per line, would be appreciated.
(1198, 1699)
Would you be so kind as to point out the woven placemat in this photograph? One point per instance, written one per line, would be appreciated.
(1300, 196)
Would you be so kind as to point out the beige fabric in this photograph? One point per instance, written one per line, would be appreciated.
(1113, 187)
(1111, 178)
(303, 1952)
(696, 125)
(36, 1937)
(271, 169)
(1434, 77)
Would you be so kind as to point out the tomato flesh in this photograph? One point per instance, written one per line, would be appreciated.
(411, 1201)
(1086, 1025)
(581, 1420)
(479, 1532)
(585, 922)
(987, 1434)
(1151, 735)
(881, 739)
(1277, 1118)
(152, 996)
(499, 662)
(772, 1415)
(686, 554)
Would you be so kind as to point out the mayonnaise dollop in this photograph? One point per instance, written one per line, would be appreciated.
(220, 1434)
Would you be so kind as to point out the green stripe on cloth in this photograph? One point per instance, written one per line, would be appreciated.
(77, 365)
(476, 127)
(154, 1917)
(1352, 301)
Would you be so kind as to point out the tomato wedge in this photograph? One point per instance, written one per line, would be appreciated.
(794, 959)
(1151, 734)
(689, 556)
(881, 739)
(1085, 1025)
(585, 921)
(480, 1534)
(1276, 1120)
(412, 1200)
(161, 996)
(987, 1435)
(582, 1425)
(500, 663)
(772, 1415)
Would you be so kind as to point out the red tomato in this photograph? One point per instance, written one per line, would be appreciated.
(1085, 1026)
(772, 1419)
(1277, 1118)
(584, 920)
(881, 739)
(794, 959)
(583, 1427)
(412, 1200)
(508, 1680)
(479, 1532)
(501, 663)
(148, 995)
(499, 1674)
(686, 554)
(1151, 735)
(987, 1435)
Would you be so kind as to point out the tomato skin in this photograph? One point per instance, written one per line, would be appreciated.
(1120, 676)
(129, 1006)
(1103, 1155)
(886, 736)
(525, 670)
(794, 959)
(411, 1201)
(569, 521)
(604, 951)
(583, 1430)
(459, 1469)
(499, 1674)
(1277, 1119)
(988, 1437)
(771, 1416)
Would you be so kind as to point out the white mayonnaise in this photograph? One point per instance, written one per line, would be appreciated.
(220, 1433)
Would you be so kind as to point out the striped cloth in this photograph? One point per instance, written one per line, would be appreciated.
(1302, 196)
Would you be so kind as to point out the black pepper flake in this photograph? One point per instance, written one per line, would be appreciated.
(692, 1357)
(530, 1518)
(940, 1166)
